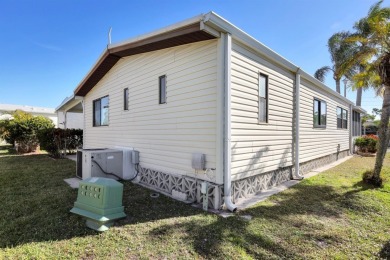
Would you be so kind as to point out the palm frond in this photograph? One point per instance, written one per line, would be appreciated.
(321, 73)
(366, 78)
(380, 91)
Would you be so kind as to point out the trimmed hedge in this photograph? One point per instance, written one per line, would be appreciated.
(57, 142)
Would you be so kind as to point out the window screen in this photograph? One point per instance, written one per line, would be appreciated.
(126, 99)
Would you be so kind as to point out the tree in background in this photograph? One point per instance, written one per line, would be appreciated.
(377, 112)
(340, 53)
(22, 130)
(374, 53)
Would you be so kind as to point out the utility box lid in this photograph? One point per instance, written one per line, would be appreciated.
(99, 199)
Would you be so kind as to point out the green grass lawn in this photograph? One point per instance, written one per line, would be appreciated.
(332, 215)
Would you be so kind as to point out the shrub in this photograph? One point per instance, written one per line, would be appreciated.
(58, 141)
(367, 143)
(22, 130)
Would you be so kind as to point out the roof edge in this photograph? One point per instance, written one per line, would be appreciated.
(165, 29)
(359, 109)
(68, 103)
(219, 23)
(108, 51)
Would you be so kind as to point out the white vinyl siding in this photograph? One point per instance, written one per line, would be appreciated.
(166, 135)
(318, 142)
(259, 147)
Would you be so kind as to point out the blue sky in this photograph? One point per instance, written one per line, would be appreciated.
(47, 47)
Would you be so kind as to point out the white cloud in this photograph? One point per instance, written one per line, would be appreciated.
(47, 46)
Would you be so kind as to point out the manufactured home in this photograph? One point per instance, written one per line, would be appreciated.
(205, 103)
(7, 109)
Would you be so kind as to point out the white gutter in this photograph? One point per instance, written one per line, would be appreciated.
(359, 109)
(68, 103)
(227, 187)
(297, 174)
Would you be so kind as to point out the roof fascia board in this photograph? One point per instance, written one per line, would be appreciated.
(64, 102)
(101, 58)
(159, 37)
(166, 29)
(217, 22)
(69, 103)
(106, 52)
(359, 109)
(209, 30)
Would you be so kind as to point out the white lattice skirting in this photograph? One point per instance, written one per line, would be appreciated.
(250, 186)
(167, 183)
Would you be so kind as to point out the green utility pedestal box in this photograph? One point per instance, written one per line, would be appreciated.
(99, 200)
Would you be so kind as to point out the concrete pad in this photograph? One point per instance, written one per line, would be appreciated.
(73, 182)
(72, 157)
(263, 195)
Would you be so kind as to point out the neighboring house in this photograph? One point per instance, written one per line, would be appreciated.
(6, 109)
(370, 128)
(205, 86)
(70, 113)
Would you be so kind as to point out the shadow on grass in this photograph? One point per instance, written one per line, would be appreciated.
(224, 236)
(287, 217)
(36, 202)
(385, 251)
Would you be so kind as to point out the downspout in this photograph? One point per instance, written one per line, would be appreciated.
(297, 103)
(84, 121)
(227, 184)
(350, 130)
(65, 117)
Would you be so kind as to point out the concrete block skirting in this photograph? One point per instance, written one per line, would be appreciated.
(168, 183)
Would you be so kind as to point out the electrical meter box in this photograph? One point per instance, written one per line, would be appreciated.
(99, 200)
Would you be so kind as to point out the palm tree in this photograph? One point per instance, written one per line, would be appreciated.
(363, 30)
(374, 54)
(340, 51)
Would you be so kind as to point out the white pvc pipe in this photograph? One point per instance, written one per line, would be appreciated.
(297, 102)
(227, 187)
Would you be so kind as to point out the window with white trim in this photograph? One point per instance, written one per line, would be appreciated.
(100, 111)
